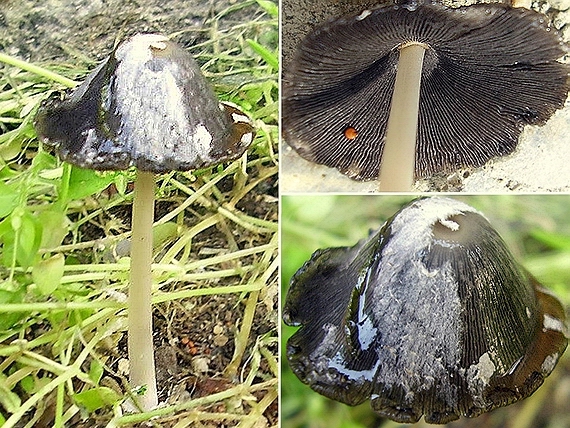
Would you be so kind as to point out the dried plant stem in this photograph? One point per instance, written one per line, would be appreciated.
(141, 352)
(399, 155)
(243, 335)
(239, 391)
(40, 71)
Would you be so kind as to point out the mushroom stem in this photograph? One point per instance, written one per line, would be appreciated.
(141, 351)
(399, 155)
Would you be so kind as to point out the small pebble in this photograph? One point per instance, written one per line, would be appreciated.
(220, 340)
(200, 365)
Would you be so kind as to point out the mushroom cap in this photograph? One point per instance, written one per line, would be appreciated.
(489, 70)
(147, 105)
(428, 315)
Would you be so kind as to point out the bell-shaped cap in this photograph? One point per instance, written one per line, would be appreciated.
(488, 71)
(429, 315)
(148, 105)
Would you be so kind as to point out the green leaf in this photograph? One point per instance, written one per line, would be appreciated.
(163, 233)
(268, 6)
(8, 199)
(11, 149)
(21, 234)
(51, 174)
(28, 384)
(27, 236)
(42, 161)
(9, 400)
(85, 182)
(8, 320)
(269, 57)
(121, 181)
(96, 398)
(95, 371)
(47, 274)
(56, 222)
(553, 240)
(7, 240)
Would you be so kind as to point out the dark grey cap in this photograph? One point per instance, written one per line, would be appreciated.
(489, 70)
(429, 315)
(148, 105)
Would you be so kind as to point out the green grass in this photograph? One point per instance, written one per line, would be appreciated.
(64, 274)
(536, 230)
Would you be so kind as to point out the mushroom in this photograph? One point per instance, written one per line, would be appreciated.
(424, 87)
(148, 106)
(428, 315)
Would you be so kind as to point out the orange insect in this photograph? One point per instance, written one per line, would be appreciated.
(190, 346)
(350, 133)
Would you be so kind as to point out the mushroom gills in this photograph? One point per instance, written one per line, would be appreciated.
(482, 82)
(430, 315)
